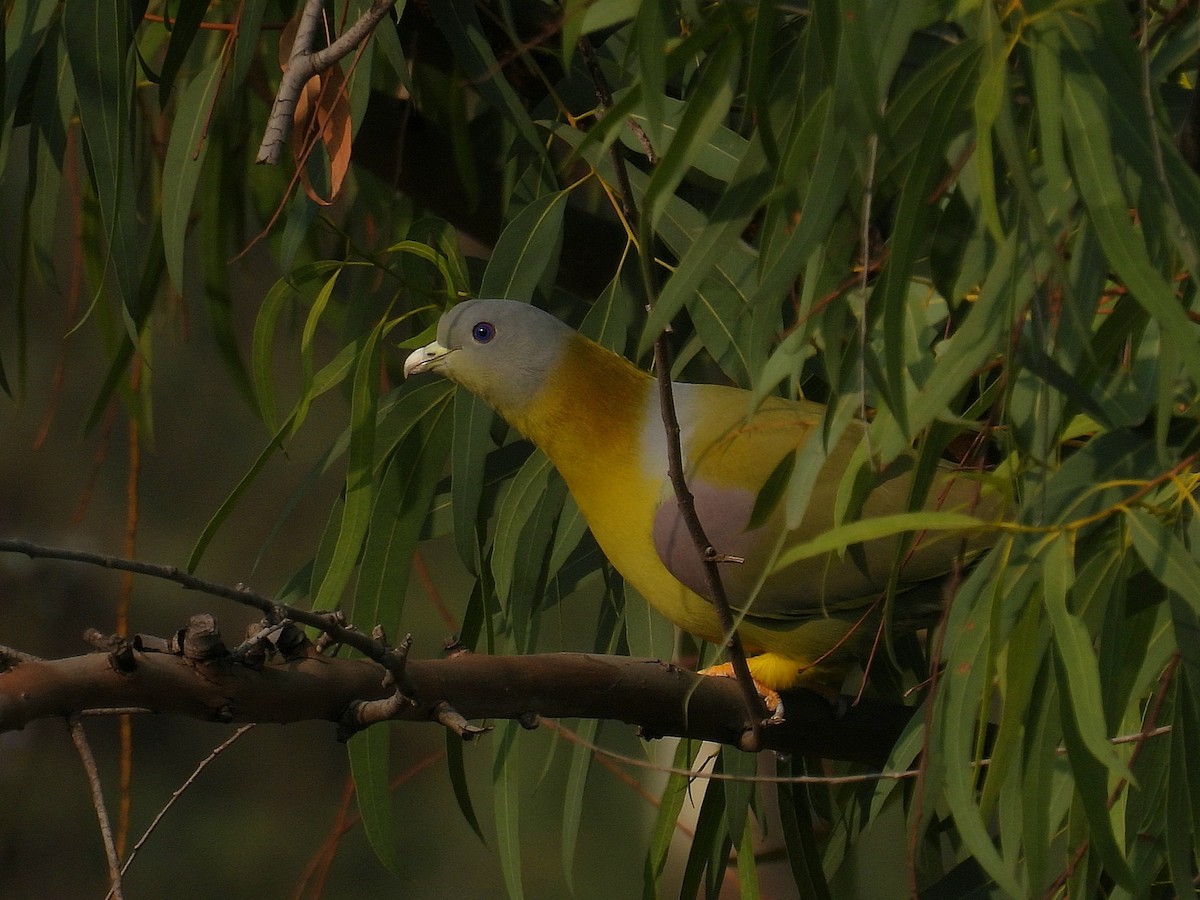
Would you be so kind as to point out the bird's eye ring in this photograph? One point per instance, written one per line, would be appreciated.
(483, 332)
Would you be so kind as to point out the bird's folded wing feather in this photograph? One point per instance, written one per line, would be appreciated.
(727, 471)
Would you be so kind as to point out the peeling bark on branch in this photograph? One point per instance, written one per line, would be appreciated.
(663, 700)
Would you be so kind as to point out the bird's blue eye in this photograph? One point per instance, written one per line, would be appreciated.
(483, 332)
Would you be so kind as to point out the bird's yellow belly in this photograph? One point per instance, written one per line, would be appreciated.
(623, 527)
(789, 656)
(622, 522)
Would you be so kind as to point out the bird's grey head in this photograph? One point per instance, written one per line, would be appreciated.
(501, 350)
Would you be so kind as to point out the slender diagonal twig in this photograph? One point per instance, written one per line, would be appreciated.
(675, 470)
(177, 793)
(387, 656)
(79, 738)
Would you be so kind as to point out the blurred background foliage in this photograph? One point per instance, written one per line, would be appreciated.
(974, 221)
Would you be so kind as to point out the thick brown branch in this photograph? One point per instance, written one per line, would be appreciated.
(663, 700)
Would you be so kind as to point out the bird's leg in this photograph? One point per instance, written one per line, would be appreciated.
(770, 696)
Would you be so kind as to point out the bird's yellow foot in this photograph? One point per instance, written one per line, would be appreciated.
(770, 696)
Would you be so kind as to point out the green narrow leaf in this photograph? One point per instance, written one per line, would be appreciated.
(876, 527)
(460, 25)
(456, 768)
(1076, 656)
(329, 377)
(573, 795)
(188, 16)
(1000, 580)
(186, 150)
(990, 95)
(525, 528)
(823, 201)
(1100, 188)
(705, 111)
(999, 304)
(721, 235)
(308, 347)
(1164, 555)
(796, 818)
(52, 110)
(134, 317)
(1022, 672)
(246, 47)
(1047, 782)
(747, 871)
(951, 74)
(98, 39)
(405, 493)
(216, 237)
(608, 321)
(1091, 783)
(1091, 755)
(1180, 817)
(370, 754)
(716, 154)
(739, 795)
(359, 495)
(671, 803)
(23, 36)
(472, 442)
(709, 853)
(526, 250)
(772, 490)
(262, 347)
(389, 42)
(506, 770)
(649, 37)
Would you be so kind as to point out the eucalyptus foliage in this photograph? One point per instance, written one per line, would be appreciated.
(963, 219)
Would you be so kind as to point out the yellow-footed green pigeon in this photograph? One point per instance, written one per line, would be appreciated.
(598, 418)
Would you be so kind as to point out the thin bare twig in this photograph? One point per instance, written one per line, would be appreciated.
(79, 738)
(829, 780)
(304, 63)
(178, 792)
(388, 657)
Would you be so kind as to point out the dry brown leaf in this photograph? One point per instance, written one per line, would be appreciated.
(323, 111)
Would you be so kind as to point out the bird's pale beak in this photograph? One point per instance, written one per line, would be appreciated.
(426, 359)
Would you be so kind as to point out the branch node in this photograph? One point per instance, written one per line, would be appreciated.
(453, 646)
(201, 640)
(363, 713)
(290, 640)
(711, 555)
(451, 718)
(529, 720)
(99, 639)
(120, 652)
(325, 640)
(394, 659)
(257, 648)
(152, 643)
